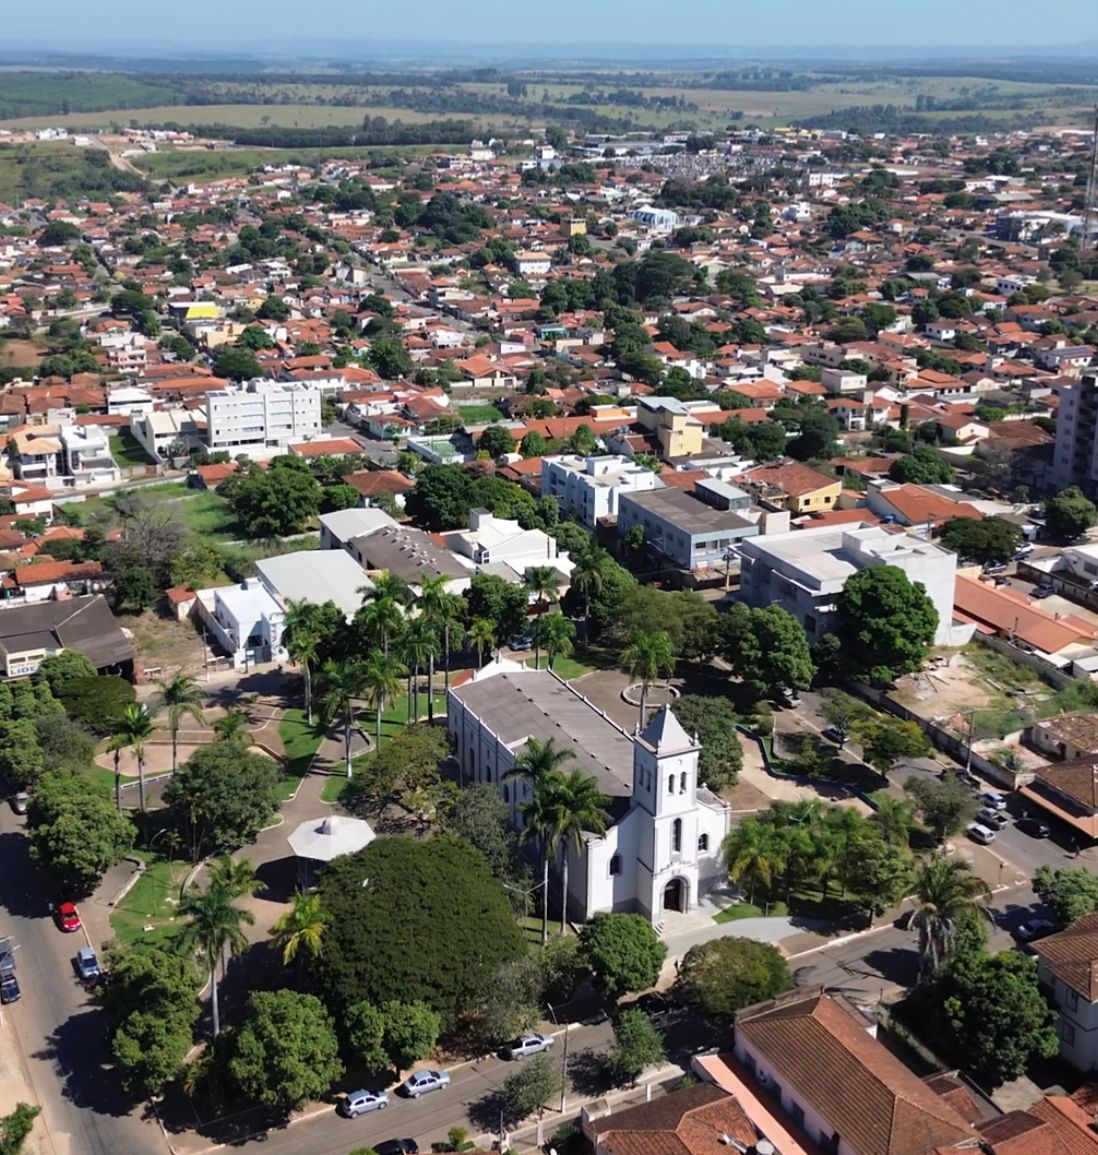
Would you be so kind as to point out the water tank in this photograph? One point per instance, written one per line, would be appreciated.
(764, 1147)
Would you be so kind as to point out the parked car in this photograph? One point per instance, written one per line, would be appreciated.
(834, 733)
(789, 698)
(529, 1044)
(1033, 827)
(994, 567)
(522, 641)
(424, 1082)
(992, 800)
(19, 802)
(68, 917)
(654, 1005)
(86, 965)
(1041, 592)
(1033, 928)
(1024, 550)
(356, 1103)
(7, 958)
(397, 1147)
(995, 819)
(984, 835)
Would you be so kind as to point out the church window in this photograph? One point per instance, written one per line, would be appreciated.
(671, 784)
(615, 864)
(703, 843)
(682, 782)
(676, 836)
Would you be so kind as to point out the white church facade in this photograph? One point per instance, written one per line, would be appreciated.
(661, 848)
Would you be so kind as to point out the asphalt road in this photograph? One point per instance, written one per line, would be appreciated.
(60, 1028)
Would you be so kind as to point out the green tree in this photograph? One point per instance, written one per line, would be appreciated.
(496, 441)
(880, 874)
(984, 540)
(893, 819)
(223, 795)
(388, 358)
(341, 683)
(76, 834)
(380, 682)
(21, 756)
(58, 671)
(286, 1051)
(441, 499)
(499, 602)
(179, 697)
(149, 1048)
(885, 742)
(1069, 514)
(578, 808)
(767, 649)
(542, 582)
(553, 633)
(480, 817)
(753, 851)
(364, 1026)
(588, 579)
(624, 952)
(944, 804)
(922, 466)
(713, 719)
(415, 892)
(15, 1128)
(98, 702)
(946, 891)
(529, 1089)
(886, 623)
(275, 502)
(533, 445)
(411, 1030)
(637, 1045)
(298, 933)
(845, 712)
(133, 586)
(232, 726)
(723, 976)
(648, 657)
(236, 364)
(396, 774)
(482, 636)
(1070, 893)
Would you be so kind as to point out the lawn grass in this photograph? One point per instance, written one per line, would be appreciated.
(479, 413)
(333, 789)
(210, 516)
(749, 910)
(127, 451)
(300, 742)
(566, 668)
(151, 903)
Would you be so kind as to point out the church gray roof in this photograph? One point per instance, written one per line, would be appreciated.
(665, 735)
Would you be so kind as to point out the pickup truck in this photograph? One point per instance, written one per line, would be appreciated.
(7, 958)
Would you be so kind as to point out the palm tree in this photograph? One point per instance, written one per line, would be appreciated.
(302, 643)
(437, 606)
(588, 580)
(299, 933)
(946, 891)
(579, 806)
(648, 657)
(214, 925)
(379, 621)
(340, 684)
(133, 729)
(555, 632)
(179, 698)
(482, 635)
(417, 649)
(116, 745)
(543, 582)
(894, 819)
(386, 585)
(751, 851)
(236, 875)
(540, 763)
(232, 726)
(380, 685)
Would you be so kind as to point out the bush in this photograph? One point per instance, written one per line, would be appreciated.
(98, 702)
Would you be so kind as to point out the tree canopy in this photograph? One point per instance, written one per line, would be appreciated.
(767, 649)
(886, 623)
(1071, 893)
(922, 466)
(723, 976)
(624, 952)
(1069, 514)
(988, 539)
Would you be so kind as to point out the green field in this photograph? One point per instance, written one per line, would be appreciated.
(152, 904)
(198, 164)
(127, 451)
(474, 414)
(300, 742)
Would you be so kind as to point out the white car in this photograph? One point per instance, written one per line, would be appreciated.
(995, 801)
(423, 1082)
(982, 834)
(357, 1103)
(529, 1044)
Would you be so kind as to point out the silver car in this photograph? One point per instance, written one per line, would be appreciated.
(529, 1044)
(981, 834)
(424, 1082)
(357, 1103)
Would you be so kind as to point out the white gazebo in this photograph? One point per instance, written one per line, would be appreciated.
(322, 839)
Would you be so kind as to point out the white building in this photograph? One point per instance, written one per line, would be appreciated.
(86, 451)
(160, 429)
(496, 541)
(588, 488)
(657, 220)
(662, 844)
(1067, 966)
(246, 621)
(1075, 456)
(261, 418)
(128, 400)
(804, 572)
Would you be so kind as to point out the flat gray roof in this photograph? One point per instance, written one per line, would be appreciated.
(317, 576)
(535, 704)
(685, 512)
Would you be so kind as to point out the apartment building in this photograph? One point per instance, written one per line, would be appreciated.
(261, 418)
(1075, 456)
(588, 488)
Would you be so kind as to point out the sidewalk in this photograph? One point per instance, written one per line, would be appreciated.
(15, 1085)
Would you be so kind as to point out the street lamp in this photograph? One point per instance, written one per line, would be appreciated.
(563, 1056)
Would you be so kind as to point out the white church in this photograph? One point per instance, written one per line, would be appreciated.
(661, 849)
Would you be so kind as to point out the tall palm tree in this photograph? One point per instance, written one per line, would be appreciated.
(482, 635)
(649, 657)
(232, 726)
(578, 806)
(180, 697)
(588, 580)
(540, 763)
(379, 621)
(752, 852)
(235, 875)
(555, 632)
(946, 891)
(894, 818)
(436, 606)
(417, 649)
(299, 933)
(381, 676)
(133, 729)
(116, 745)
(340, 684)
(302, 642)
(214, 924)
(543, 582)
(386, 585)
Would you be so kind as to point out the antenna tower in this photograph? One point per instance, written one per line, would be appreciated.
(1090, 211)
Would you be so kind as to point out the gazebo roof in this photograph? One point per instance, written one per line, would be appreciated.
(322, 839)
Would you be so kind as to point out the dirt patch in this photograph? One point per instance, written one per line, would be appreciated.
(19, 353)
(165, 644)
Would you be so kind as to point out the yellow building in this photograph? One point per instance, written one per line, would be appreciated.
(794, 486)
(678, 431)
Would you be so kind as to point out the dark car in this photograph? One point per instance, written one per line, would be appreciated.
(1033, 827)
(522, 642)
(654, 1005)
(9, 989)
(1042, 592)
(834, 733)
(397, 1147)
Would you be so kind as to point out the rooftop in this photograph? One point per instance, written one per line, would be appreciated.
(684, 511)
(317, 576)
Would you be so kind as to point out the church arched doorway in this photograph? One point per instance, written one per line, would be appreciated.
(676, 895)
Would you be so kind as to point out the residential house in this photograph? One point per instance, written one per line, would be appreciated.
(338, 528)
(794, 486)
(30, 633)
(51, 580)
(673, 423)
(492, 541)
(411, 555)
(1068, 792)
(1067, 737)
(1067, 966)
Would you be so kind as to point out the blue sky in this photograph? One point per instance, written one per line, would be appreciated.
(228, 24)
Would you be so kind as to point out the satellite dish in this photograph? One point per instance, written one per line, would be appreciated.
(764, 1147)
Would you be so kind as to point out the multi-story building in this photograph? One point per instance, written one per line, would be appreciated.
(1067, 966)
(804, 571)
(261, 418)
(1075, 457)
(588, 488)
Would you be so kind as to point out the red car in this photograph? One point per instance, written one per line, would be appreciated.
(68, 917)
